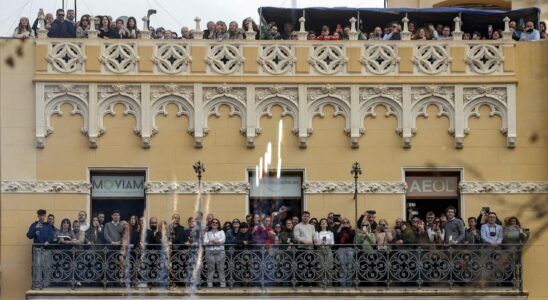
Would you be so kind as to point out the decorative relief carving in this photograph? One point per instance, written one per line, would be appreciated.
(441, 97)
(392, 93)
(310, 187)
(316, 93)
(226, 91)
(66, 57)
(328, 59)
(191, 187)
(131, 91)
(57, 95)
(497, 93)
(184, 91)
(180, 95)
(494, 97)
(172, 58)
(286, 98)
(119, 58)
(127, 95)
(380, 59)
(71, 187)
(432, 59)
(503, 187)
(233, 97)
(276, 59)
(389, 97)
(444, 92)
(224, 59)
(276, 91)
(341, 187)
(484, 59)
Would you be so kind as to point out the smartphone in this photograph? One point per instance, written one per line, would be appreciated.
(486, 209)
(490, 28)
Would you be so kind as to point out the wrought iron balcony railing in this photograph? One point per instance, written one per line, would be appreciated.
(273, 266)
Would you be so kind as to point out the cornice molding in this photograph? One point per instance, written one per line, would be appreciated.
(242, 187)
(503, 187)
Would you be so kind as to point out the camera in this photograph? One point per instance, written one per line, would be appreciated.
(336, 218)
(486, 209)
(492, 233)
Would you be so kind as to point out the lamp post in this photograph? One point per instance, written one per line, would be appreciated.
(199, 169)
(356, 171)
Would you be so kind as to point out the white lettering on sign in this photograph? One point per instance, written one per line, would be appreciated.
(422, 186)
(118, 186)
(271, 186)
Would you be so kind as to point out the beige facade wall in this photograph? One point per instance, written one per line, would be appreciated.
(67, 156)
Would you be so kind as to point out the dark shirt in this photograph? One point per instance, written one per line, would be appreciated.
(241, 238)
(62, 29)
(345, 236)
(106, 33)
(177, 236)
(95, 236)
(153, 240)
(471, 239)
(41, 235)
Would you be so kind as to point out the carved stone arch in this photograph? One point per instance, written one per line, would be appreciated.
(184, 107)
(237, 107)
(445, 108)
(497, 107)
(131, 106)
(316, 107)
(393, 108)
(290, 107)
(79, 106)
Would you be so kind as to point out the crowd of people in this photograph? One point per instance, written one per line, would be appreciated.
(278, 231)
(123, 28)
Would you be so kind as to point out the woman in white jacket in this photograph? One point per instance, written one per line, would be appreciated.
(214, 240)
(23, 30)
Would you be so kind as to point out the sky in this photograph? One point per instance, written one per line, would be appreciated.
(172, 14)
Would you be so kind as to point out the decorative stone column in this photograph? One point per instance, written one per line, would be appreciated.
(303, 35)
(92, 32)
(42, 31)
(405, 34)
(353, 35)
(457, 34)
(145, 34)
(198, 33)
(250, 34)
(506, 34)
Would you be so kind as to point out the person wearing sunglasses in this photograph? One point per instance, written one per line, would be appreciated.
(214, 240)
(62, 28)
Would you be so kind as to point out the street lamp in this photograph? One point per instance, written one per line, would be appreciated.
(199, 169)
(356, 171)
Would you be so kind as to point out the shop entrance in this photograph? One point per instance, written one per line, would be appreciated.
(431, 191)
(123, 191)
(269, 193)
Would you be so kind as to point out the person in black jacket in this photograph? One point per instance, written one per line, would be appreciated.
(105, 30)
(344, 238)
(153, 237)
(62, 28)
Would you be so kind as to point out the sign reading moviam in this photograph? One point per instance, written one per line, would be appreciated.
(118, 186)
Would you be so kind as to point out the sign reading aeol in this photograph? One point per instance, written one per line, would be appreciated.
(273, 187)
(118, 186)
(431, 187)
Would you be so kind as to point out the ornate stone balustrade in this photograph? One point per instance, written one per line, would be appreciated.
(180, 58)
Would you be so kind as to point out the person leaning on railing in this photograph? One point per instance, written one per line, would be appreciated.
(95, 234)
(61, 28)
(491, 232)
(23, 30)
(514, 233)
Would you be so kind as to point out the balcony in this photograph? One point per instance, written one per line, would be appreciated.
(425, 269)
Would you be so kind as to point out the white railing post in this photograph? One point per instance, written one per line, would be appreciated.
(198, 33)
(145, 34)
(353, 34)
(92, 32)
(507, 34)
(457, 33)
(250, 34)
(302, 32)
(42, 31)
(405, 34)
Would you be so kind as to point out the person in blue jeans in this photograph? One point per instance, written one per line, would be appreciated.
(41, 233)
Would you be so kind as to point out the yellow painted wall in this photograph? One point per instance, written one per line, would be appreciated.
(328, 157)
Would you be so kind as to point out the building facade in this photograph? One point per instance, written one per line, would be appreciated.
(95, 125)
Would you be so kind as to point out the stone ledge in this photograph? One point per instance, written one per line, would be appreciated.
(300, 293)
